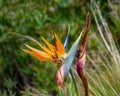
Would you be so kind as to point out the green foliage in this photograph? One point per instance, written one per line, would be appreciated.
(105, 63)
(35, 18)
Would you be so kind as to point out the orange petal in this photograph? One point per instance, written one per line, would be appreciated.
(51, 47)
(44, 48)
(59, 46)
(38, 54)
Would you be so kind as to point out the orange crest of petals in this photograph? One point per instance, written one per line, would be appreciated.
(52, 53)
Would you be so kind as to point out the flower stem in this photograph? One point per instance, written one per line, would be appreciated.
(85, 83)
(74, 82)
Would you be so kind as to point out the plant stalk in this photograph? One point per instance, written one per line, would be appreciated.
(85, 84)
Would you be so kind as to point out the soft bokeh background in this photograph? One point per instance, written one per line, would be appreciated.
(36, 18)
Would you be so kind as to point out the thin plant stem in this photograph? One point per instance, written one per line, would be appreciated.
(74, 82)
(85, 84)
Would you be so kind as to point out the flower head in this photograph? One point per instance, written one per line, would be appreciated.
(54, 53)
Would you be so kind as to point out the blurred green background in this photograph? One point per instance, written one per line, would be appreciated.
(36, 18)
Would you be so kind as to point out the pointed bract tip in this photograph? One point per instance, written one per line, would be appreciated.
(66, 42)
(88, 21)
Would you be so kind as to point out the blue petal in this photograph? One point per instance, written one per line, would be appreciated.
(66, 40)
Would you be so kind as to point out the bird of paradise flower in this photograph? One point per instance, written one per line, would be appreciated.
(56, 53)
